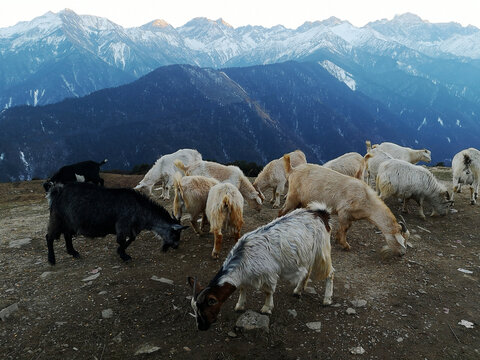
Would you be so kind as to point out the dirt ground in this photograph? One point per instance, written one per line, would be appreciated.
(413, 304)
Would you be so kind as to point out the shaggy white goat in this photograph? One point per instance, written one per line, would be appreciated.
(350, 198)
(351, 164)
(373, 159)
(163, 170)
(231, 174)
(404, 153)
(466, 170)
(191, 193)
(273, 176)
(224, 210)
(294, 247)
(407, 181)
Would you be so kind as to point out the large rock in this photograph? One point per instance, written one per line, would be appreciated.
(251, 320)
(9, 310)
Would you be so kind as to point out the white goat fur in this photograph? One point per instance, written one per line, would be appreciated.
(294, 247)
(224, 210)
(373, 159)
(273, 176)
(351, 164)
(191, 193)
(350, 198)
(231, 174)
(404, 153)
(407, 181)
(466, 170)
(163, 171)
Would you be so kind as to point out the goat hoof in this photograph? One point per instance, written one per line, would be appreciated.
(215, 255)
(51, 261)
(327, 301)
(297, 295)
(472, 202)
(239, 309)
(126, 257)
(346, 247)
(74, 253)
(266, 310)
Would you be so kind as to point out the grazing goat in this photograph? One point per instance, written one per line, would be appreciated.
(404, 153)
(273, 176)
(466, 170)
(351, 164)
(163, 171)
(93, 211)
(231, 174)
(350, 198)
(373, 159)
(224, 210)
(85, 171)
(294, 247)
(407, 181)
(191, 193)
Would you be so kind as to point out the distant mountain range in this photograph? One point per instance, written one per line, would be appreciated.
(248, 93)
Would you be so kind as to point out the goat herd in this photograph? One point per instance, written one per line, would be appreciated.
(295, 246)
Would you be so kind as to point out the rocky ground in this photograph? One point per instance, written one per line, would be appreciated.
(98, 307)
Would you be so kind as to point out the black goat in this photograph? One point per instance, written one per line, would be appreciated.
(93, 211)
(85, 171)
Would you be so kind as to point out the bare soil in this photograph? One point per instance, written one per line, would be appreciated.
(414, 303)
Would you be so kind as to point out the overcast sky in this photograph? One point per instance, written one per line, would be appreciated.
(292, 13)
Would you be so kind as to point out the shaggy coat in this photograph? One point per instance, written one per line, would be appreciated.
(404, 153)
(230, 174)
(273, 176)
(163, 171)
(350, 198)
(224, 209)
(407, 181)
(466, 170)
(93, 211)
(191, 193)
(351, 164)
(85, 171)
(295, 247)
(373, 159)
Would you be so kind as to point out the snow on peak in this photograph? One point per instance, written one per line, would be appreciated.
(339, 73)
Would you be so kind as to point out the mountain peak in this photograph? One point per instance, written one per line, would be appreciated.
(408, 18)
(222, 22)
(331, 21)
(157, 24)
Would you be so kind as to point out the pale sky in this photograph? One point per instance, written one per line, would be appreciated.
(268, 13)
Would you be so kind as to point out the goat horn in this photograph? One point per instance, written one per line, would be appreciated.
(194, 287)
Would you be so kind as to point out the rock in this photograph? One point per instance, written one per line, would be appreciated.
(466, 323)
(118, 338)
(465, 271)
(351, 311)
(357, 350)
(45, 274)
(91, 277)
(9, 310)
(107, 313)
(293, 312)
(232, 334)
(186, 348)
(163, 280)
(103, 292)
(359, 303)
(251, 320)
(18, 243)
(316, 325)
(146, 349)
(310, 290)
(400, 339)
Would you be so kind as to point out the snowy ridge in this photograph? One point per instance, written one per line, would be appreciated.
(339, 73)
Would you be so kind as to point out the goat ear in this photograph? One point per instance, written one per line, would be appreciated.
(194, 284)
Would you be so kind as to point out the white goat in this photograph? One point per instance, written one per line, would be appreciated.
(273, 176)
(191, 193)
(293, 247)
(404, 153)
(351, 164)
(163, 170)
(466, 170)
(404, 180)
(373, 159)
(224, 210)
(350, 198)
(231, 174)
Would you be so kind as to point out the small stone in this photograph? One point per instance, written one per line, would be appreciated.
(162, 280)
(146, 349)
(293, 312)
(359, 303)
(316, 325)
(186, 348)
(400, 339)
(18, 243)
(107, 313)
(251, 320)
(310, 290)
(60, 323)
(421, 291)
(118, 338)
(91, 277)
(346, 286)
(103, 292)
(232, 334)
(45, 274)
(351, 311)
(417, 237)
(9, 310)
(409, 244)
(357, 350)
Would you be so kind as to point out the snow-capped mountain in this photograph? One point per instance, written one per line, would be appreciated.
(62, 55)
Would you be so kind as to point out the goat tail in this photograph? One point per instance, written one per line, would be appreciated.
(287, 164)
(467, 160)
(322, 267)
(369, 145)
(360, 174)
(177, 183)
(181, 166)
(102, 162)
